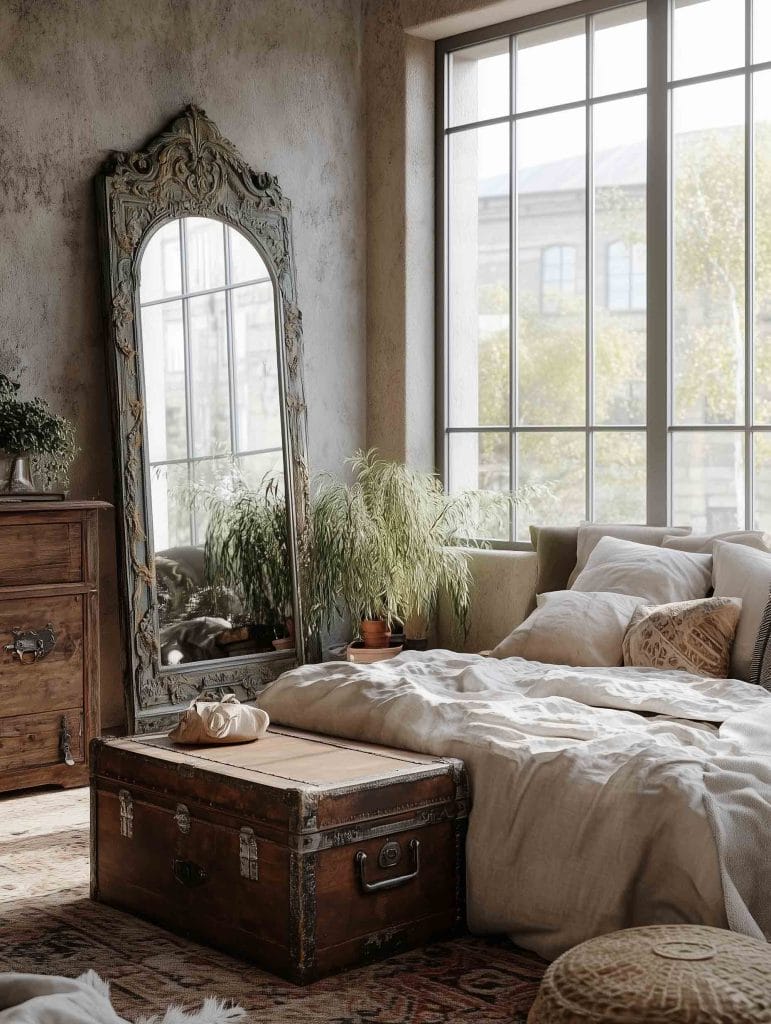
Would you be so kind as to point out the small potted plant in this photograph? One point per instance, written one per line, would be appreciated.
(33, 442)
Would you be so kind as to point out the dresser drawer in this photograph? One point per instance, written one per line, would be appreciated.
(29, 741)
(54, 681)
(41, 551)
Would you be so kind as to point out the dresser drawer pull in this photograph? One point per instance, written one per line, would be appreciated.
(65, 742)
(29, 645)
(189, 873)
(388, 883)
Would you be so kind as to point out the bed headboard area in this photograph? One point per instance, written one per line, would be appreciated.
(503, 595)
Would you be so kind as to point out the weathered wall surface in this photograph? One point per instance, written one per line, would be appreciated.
(282, 79)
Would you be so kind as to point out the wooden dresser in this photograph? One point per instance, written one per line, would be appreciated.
(49, 641)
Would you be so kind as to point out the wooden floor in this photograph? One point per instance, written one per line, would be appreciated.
(49, 925)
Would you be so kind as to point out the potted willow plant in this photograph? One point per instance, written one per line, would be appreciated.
(32, 440)
(390, 540)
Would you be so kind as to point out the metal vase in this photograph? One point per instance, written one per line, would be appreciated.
(15, 473)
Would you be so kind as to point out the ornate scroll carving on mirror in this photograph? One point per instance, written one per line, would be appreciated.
(205, 347)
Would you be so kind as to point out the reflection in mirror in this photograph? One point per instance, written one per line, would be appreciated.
(214, 436)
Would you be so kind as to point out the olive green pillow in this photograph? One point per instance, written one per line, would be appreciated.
(556, 548)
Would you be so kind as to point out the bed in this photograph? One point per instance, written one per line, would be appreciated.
(603, 798)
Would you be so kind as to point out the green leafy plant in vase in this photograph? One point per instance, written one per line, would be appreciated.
(33, 442)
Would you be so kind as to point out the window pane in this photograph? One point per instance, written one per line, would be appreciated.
(557, 460)
(551, 65)
(478, 349)
(620, 132)
(245, 262)
(708, 293)
(481, 461)
(163, 360)
(619, 477)
(761, 28)
(209, 374)
(708, 36)
(708, 480)
(205, 246)
(256, 468)
(170, 507)
(620, 50)
(761, 484)
(258, 416)
(762, 390)
(480, 82)
(161, 274)
(551, 232)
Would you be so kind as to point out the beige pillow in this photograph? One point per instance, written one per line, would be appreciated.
(572, 628)
(702, 542)
(691, 636)
(743, 572)
(590, 534)
(654, 574)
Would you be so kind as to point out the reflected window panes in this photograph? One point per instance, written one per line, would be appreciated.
(478, 354)
(708, 303)
(480, 82)
(762, 158)
(761, 31)
(213, 422)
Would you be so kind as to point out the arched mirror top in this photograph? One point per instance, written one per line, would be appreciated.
(206, 352)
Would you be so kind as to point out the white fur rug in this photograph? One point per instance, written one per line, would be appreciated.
(47, 999)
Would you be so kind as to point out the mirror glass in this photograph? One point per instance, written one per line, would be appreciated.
(214, 444)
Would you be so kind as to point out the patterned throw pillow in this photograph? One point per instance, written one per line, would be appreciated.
(692, 636)
(760, 668)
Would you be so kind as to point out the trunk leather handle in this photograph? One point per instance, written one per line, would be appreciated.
(388, 883)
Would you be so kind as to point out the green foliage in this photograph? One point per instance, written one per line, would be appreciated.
(246, 549)
(29, 427)
(387, 543)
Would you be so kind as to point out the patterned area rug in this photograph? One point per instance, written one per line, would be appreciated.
(49, 925)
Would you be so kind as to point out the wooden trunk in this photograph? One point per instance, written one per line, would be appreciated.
(49, 696)
(302, 853)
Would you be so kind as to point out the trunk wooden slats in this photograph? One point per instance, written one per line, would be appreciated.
(256, 848)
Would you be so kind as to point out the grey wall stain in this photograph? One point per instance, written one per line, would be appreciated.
(282, 79)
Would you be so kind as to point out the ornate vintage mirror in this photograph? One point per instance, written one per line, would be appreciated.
(206, 353)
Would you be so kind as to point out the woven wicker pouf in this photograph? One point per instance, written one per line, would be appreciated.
(662, 974)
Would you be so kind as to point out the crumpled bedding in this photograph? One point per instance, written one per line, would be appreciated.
(602, 798)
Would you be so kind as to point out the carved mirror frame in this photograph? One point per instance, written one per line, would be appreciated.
(190, 170)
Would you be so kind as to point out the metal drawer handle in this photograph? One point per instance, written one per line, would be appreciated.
(29, 645)
(388, 883)
(65, 741)
(189, 873)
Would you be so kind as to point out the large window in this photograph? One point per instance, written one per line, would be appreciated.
(576, 154)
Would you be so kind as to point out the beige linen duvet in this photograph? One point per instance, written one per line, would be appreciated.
(587, 816)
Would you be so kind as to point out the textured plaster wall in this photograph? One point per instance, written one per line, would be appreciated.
(79, 78)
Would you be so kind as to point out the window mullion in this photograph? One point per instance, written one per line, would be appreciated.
(589, 275)
(188, 370)
(658, 266)
(749, 270)
(513, 285)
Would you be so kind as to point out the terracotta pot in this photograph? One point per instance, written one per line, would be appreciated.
(374, 633)
(361, 655)
(284, 643)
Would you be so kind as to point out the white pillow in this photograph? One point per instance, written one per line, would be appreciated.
(572, 628)
(659, 575)
(590, 534)
(702, 542)
(746, 573)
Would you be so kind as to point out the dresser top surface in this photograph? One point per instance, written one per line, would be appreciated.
(14, 505)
